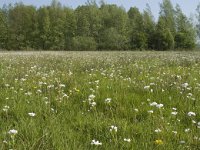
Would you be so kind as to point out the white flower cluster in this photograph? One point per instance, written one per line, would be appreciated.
(94, 142)
(127, 140)
(108, 100)
(13, 132)
(92, 103)
(198, 125)
(156, 104)
(158, 130)
(5, 108)
(31, 114)
(113, 128)
(190, 114)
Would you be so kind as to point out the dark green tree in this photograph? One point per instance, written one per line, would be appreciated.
(83, 25)
(57, 26)
(185, 31)
(3, 30)
(70, 27)
(137, 35)
(149, 27)
(22, 26)
(92, 26)
(111, 39)
(84, 43)
(168, 13)
(164, 39)
(44, 28)
(114, 30)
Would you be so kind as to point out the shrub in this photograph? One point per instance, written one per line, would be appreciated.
(83, 43)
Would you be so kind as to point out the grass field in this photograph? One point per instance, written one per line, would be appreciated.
(100, 100)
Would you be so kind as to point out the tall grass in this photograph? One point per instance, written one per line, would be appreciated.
(99, 100)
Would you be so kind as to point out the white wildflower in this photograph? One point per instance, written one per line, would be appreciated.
(7, 85)
(174, 113)
(193, 121)
(127, 140)
(31, 114)
(93, 104)
(191, 114)
(187, 130)
(39, 91)
(136, 109)
(13, 132)
(4, 141)
(147, 87)
(61, 85)
(91, 97)
(113, 128)
(174, 109)
(175, 132)
(185, 85)
(148, 100)
(153, 104)
(94, 142)
(150, 111)
(158, 130)
(5, 108)
(152, 84)
(159, 106)
(108, 100)
(182, 142)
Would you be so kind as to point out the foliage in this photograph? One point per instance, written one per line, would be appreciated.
(185, 35)
(111, 39)
(163, 37)
(138, 38)
(83, 43)
(3, 30)
(56, 27)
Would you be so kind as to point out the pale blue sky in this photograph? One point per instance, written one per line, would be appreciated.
(188, 6)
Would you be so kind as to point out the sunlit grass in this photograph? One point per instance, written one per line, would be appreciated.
(99, 100)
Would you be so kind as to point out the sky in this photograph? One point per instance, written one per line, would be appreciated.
(188, 6)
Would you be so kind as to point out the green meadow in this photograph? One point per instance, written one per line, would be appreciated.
(100, 100)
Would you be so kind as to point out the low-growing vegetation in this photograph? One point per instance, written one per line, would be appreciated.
(99, 100)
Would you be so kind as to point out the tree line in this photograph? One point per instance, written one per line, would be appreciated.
(95, 27)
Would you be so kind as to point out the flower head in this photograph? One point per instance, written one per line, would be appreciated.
(158, 130)
(191, 114)
(174, 113)
(108, 100)
(13, 132)
(146, 87)
(159, 142)
(185, 85)
(62, 85)
(31, 114)
(93, 104)
(5, 108)
(153, 104)
(113, 128)
(127, 140)
(187, 130)
(159, 106)
(150, 111)
(94, 142)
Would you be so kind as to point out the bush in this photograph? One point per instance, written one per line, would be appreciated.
(83, 43)
(184, 41)
(112, 40)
